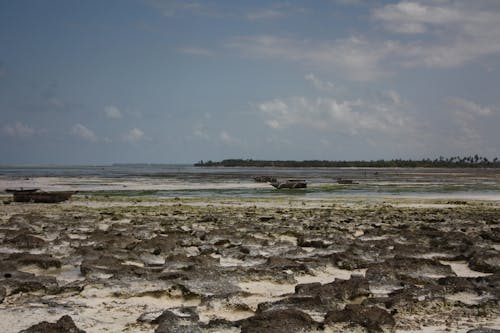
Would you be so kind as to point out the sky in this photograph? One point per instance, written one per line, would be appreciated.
(170, 81)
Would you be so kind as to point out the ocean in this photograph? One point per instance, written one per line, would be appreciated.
(190, 181)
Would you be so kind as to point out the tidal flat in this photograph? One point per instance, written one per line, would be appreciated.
(114, 264)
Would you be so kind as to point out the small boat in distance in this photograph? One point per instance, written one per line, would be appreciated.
(346, 181)
(289, 183)
(38, 196)
(264, 179)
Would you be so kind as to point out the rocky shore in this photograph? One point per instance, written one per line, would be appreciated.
(214, 265)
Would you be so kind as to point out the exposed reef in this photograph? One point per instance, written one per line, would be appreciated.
(213, 266)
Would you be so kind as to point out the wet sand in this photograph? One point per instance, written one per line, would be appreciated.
(250, 265)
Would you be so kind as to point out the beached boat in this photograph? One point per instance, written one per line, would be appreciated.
(346, 181)
(36, 195)
(290, 183)
(265, 179)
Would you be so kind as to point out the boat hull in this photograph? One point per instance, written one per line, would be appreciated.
(42, 197)
(289, 184)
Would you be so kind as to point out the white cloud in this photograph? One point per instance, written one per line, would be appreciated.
(355, 57)
(84, 133)
(226, 138)
(456, 32)
(441, 34)
(200, 130)
(18, 130)
(196, 51)
(328, 114)
(178, 7)
(56, 103)
(134, 135)
(112, 112)
(393, 97)
(466, 114)
(265, 14)
(414, 17)
(353, 2)
(470, 108)
(276, 11)
(319, 84)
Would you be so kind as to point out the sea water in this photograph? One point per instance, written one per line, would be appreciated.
(191, 181)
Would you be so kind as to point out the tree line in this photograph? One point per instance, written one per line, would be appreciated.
(474, 161)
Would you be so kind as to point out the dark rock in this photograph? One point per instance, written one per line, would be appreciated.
(41, 260)
(456, 284)
(15, 282)
(74, 286)
(407, 269)
(219, 324)
(317, 243)
(111, 265)
(26, 241)
(172, 276)
(102, 264)
(64, 325)
(285, 263)
(3, 293)
(299, 302)
(279, 321)
(455, 242)
(162, 244)
(486, 261)
(208, 218)
(362, 254)
(112, 239)
(374, 319)
(185, 313)
(149, 317)
(339, 290)
(221, 242)
(493, 234)
(178, 320)
(410, 295)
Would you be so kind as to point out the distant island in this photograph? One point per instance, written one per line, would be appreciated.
(475, 161)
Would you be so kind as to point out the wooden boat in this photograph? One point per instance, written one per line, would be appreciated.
(345, 181)
(21, 190)
(265, 179)
(36, 195)
(290, 183)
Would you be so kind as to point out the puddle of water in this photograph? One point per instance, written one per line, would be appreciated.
(65, 274)
(468, 298)
(133, 263)
(382, 290)
(359, 233)
(233, 262)
(289, 239)
(77, 236)
(9, 250)
(328, 274)
(265, 291)
(461, 268)
(433, 255)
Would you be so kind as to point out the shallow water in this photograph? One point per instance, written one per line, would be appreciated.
(189, 181)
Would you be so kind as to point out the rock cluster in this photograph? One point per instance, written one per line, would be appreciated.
(397, 267)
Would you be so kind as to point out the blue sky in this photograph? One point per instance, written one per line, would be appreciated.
(162, 81)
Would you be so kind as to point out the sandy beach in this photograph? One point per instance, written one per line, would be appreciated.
(249, 265)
